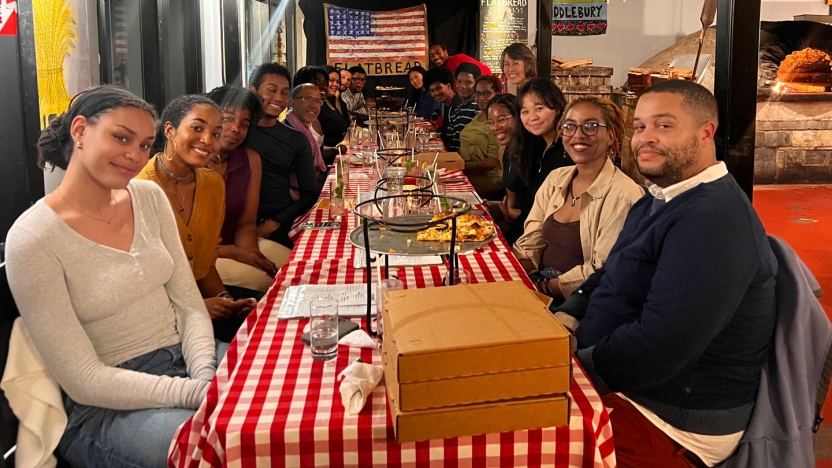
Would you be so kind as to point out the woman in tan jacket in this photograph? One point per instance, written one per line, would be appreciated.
(579, 210)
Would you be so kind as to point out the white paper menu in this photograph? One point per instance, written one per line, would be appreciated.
(352, 299)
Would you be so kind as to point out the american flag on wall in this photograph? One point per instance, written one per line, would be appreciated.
(383, 42)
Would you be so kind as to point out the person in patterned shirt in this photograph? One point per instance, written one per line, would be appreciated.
(456, 114)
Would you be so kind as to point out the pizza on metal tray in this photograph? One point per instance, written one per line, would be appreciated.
(469, 227)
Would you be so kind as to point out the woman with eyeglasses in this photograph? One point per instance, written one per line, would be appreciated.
(502, 112)
(479, 147)
(535, 149)
(579, 210)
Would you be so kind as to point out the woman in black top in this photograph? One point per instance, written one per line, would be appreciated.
(334, 116)
(503, 114)
(536, 148)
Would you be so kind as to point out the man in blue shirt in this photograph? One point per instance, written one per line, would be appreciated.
(674, 329)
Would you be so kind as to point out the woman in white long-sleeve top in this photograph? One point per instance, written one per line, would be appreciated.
(579, 210)
(103, 286)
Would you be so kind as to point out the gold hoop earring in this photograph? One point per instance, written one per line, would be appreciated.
(165, 150)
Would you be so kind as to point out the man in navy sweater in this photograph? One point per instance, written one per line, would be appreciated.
(674, 329)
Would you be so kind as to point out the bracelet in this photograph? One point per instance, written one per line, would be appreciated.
(225, 295)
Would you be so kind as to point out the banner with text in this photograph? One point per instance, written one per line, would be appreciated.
(579, 17)
(504, 22)
(383, 42)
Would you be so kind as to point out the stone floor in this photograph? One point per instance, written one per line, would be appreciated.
(802, 216)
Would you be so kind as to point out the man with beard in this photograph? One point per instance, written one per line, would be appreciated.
(285, 153)
(674, 329)
(346, 79)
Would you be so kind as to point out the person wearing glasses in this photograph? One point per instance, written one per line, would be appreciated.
(503, 112)
(353, 96)
(478, 147)
(306, 106)
(579, 210)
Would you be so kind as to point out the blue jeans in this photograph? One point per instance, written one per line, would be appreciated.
(100, 437)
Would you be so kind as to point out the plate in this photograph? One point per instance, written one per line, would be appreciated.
(383, 241)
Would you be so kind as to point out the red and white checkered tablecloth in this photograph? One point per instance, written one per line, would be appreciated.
(272, 405)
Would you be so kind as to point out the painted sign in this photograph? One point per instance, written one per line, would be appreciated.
(579, 17)
(504, 22)
(8, 18)
(383, 42)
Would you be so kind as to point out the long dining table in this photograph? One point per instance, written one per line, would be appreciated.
(270, 404)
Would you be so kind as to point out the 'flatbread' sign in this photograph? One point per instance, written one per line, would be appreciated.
(579, 17)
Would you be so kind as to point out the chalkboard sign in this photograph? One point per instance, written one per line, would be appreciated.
(504, 22)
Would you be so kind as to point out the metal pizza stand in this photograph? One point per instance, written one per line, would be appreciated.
(397, 234)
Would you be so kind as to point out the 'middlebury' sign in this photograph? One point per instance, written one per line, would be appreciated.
(383, 42)
(579, 17)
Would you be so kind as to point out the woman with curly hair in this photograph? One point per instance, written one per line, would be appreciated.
(579, 210)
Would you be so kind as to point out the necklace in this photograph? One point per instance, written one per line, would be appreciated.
(175, 193)
(108, 221)
(170, 173)
(571, 195)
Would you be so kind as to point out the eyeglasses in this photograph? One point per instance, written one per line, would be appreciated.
(588, 128)
(500, 122)
(311, 100)
(359, 80)
(484, 94)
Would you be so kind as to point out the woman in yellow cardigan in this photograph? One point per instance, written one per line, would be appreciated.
(188, 136)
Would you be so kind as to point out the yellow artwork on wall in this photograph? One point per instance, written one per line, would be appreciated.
(55, 38)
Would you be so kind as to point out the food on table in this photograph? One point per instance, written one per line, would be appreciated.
(469, 227)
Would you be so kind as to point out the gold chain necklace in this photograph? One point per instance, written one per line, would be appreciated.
(175, 193)
(108, 221)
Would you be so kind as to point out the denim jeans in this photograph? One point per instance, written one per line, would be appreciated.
(100, 437)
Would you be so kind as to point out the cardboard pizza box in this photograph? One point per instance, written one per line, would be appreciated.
(449, 161)
(468, 420)
(466, 344)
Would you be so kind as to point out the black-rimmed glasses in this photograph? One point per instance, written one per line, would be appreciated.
(483, 94)
(588, 128)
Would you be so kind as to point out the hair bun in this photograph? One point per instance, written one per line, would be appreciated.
(55, 143)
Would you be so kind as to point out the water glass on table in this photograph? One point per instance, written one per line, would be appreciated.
(460, 277)
(323, 328)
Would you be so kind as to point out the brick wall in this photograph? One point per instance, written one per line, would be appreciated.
(793, 142)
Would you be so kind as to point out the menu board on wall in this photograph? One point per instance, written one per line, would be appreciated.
(504, 22)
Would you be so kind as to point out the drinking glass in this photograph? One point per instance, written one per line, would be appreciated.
(391, 284)
(323, 328)
(460, 277)
(368, 161)
(336, 201)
